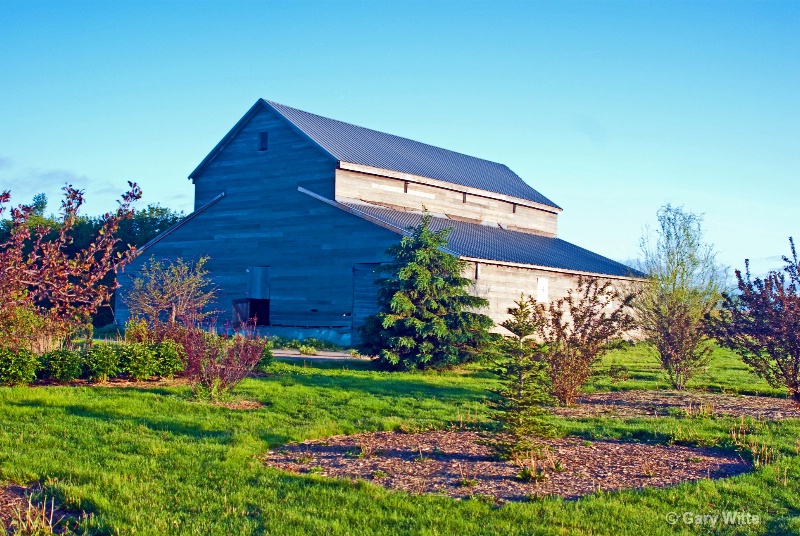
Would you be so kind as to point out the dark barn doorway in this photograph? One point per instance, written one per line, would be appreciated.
(258, 294)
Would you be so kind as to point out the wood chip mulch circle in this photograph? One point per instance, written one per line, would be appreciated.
(687, 403)
(12, 498)
(461, 465)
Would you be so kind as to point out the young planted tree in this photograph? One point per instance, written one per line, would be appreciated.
(51, 289)
(578, 329)
(762, 324)
(518, 363)
(166, 292)
(426, 315)
(683, 286)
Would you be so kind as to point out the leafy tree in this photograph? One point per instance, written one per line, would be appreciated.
(40, 279)
(425, 317)
(518, 363)
(578, 329)
(142, 226)
(167, 292)
(762, 324)
(39, 204)
(683, 286)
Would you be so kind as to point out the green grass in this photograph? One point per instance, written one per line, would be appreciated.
(152, 461)
(726, 373)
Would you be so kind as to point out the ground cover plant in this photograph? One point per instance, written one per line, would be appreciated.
(200, 466)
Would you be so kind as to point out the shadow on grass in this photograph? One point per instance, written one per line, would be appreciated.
(382, 386)
(158, 424)
(326, 363)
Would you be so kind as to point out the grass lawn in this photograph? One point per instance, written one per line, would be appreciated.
(149, 460)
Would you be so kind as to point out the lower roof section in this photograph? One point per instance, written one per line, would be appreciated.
(494, 243)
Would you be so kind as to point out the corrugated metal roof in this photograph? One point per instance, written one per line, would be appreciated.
(495, 243)
(359, 145)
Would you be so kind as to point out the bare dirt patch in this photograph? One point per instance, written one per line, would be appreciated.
(460, 465)
(242, 405)
(689, 403)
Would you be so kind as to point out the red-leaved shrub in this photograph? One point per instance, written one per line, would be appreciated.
(215, 364)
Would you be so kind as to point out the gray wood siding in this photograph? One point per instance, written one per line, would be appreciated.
(395, 193)
(502, 286)
(365, 292)
(263, 220)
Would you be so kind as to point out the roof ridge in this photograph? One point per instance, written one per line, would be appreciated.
(273, 103)
(348, 142)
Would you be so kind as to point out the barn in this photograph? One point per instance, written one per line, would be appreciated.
(296, 212)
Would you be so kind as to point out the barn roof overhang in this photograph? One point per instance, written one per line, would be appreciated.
(493, 244)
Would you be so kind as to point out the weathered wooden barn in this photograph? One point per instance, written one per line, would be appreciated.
(296, 212)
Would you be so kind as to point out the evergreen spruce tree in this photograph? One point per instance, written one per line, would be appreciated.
(518, 406)
(426, 315)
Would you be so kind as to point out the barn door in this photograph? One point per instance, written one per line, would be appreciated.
(258, 294)
(365, 292)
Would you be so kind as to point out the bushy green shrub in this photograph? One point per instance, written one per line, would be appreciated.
(295, 344)
(307, 350)
(137, 331)
(138, 360)
(17, 368)
(168, 358)
(102, 362)
(267, 357)
(62, 365)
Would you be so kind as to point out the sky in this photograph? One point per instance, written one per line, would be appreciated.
(610, 109)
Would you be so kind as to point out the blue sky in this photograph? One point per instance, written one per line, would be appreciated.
(610, 109)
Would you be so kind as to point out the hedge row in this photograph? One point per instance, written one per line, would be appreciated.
(97, 362)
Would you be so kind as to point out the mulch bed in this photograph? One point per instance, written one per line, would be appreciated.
(12, 497)
(688, 403)
(115, 382)
(460, 464)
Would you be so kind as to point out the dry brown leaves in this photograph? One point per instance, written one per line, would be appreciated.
(459, 464)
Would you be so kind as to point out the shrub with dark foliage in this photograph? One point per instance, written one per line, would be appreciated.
(216, 364)
(577, 331)
(762, 324)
